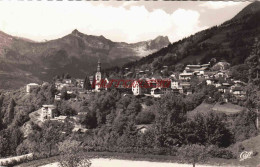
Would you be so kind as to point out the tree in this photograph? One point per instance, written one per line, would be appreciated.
(1, 103)
(89, 120)
(10, 113)
(240, 72)
(87, 84)
(67, 76)
(71, 154)
(4, 143)
(209, 129)
(145, 117)
(170, 115)
(45, 139)
(253, 62)
(193, 153)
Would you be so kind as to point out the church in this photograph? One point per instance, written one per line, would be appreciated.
(100, 84)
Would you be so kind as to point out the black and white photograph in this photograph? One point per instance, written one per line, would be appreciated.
(129, 83)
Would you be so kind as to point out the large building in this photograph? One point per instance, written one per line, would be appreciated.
(47, 112)
(30, 86)
(98, 77)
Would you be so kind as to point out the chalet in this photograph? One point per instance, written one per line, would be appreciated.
(209, 74)
(185, 75)
(223, 89)
(30, 86)
(197, 68)
(60, 118)
(47, 112)
(143, 128)
(57, 97)
(238, 92)
(156, 92)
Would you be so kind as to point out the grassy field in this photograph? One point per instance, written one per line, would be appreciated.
(226, 108)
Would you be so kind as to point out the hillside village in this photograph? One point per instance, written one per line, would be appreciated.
(217, 75)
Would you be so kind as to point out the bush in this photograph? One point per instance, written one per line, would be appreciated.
(225, 153)
(145, 117)
(193, 153)
(71, 154)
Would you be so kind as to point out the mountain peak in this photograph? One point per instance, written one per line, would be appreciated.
(75, 32)
(162, 38)
(252, 8)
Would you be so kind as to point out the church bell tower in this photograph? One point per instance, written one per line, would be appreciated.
(98, 75)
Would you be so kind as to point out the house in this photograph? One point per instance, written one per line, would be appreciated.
(60, 118)
(57, 97)
(156, 92)
(222, 73)
(174, 84)
(185, 85)
(47, 112)
(79, 129)
(188, 92)
(222, 89)
(61, 86)
(209, 81)
(238, 92)
(185, 75)
(143, 128)
(30, 86)
(80, 83)
(197, 68)
(67, 81)
(217, 85)
(136, 88)
(139, 87)
(209, 74)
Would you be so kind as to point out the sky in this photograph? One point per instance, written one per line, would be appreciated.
(119, 21)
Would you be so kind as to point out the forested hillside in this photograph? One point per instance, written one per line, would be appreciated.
(231, 41)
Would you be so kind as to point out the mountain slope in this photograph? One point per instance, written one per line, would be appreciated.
(75, 53)
(230, 41)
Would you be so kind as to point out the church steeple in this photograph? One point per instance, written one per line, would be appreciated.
(98, 74)
(99, 66)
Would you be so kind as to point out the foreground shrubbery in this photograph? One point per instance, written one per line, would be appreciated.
(71, 155)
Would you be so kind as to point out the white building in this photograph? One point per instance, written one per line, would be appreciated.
(185, 75)
(174, 84)
(30, 86)
(136, 88)
(57, 97)
(156, 92)
(209, 81)
(47, 112)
